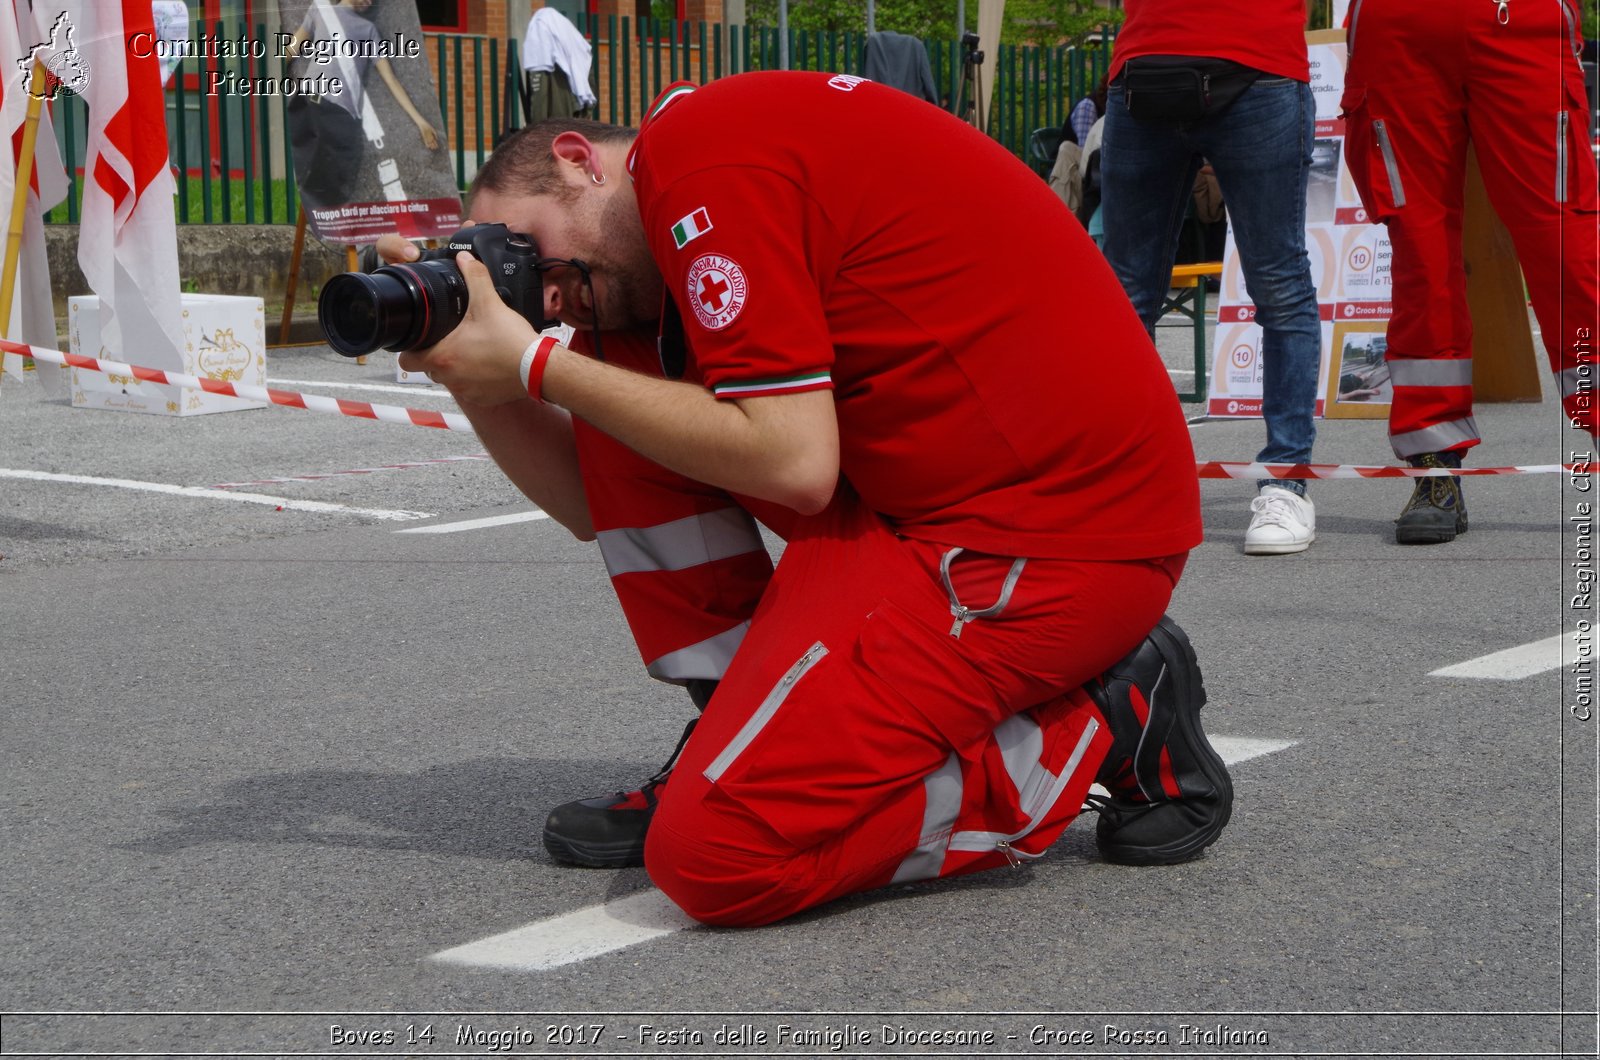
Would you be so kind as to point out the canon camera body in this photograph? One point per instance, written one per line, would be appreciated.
(412, 305)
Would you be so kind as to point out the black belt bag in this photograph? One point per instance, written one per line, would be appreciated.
(1179, 88)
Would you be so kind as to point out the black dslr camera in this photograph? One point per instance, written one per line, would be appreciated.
(414, 304)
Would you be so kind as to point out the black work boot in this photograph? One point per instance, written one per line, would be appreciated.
(1437, 511)
(608, 832)
(1170, 791)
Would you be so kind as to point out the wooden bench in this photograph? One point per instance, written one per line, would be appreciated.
(1187, 298)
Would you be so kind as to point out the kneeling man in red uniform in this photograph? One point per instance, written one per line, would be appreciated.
(936, 392)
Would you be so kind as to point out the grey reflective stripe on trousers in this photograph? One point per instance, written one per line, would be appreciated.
(1391, 164)
(708, 659)
(1021, 744)
(1563, 124)
(1435, 439)
(1425, 372)
(1579, 380)
(943, 790)
(681, 543)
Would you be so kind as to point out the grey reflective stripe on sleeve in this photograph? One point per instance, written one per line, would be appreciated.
(1435, 439)
(765, 712)
(1578, 380)
(1037, 787)
(708, 659)
(681, 543)
(1425, 372)
(942, 789)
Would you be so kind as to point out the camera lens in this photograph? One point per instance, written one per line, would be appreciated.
(398, 307)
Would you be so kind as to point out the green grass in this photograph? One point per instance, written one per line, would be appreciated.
(227, 202)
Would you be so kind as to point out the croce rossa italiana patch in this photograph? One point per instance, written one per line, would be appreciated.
(717, 290)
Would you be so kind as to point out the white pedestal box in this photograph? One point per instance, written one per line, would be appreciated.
(223, 339)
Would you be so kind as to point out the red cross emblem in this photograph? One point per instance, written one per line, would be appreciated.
(713, 290)
(717, 290)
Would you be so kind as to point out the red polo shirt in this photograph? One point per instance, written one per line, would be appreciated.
(1267, 35)
(994, 388)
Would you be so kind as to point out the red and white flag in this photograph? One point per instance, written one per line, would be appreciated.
(127, 235)
(32, 310)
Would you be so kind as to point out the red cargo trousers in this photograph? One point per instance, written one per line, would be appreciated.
(1425, 78)
(865, 734)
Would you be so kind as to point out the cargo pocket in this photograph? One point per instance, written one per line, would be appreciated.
(920, 668)
(847, 728)
(1372, 156)
(1575, 171)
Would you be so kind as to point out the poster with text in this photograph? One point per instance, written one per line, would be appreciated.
(369, 146)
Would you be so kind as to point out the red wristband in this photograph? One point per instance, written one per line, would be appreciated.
(534, 361)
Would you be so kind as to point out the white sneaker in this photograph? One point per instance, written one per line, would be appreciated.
(1283, 522)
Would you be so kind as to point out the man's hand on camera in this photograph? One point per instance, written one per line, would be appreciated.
(481, 360)
(393, 248)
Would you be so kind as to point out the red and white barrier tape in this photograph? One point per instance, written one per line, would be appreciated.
(1228, 469)
(449, 421)
(455, 422)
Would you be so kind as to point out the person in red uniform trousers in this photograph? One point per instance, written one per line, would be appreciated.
(985, 512)
(1426, 79)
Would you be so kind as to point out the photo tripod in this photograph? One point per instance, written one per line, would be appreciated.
(968, 105)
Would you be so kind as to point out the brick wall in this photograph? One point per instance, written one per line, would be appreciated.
(487, 29)
(485, 19)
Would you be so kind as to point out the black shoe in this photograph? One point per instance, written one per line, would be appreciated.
(1437, 511)
(1170, 791)
(608, 832)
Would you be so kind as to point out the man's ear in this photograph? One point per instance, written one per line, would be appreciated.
(576, 151)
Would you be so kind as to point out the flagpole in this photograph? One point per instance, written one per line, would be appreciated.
(19, 206)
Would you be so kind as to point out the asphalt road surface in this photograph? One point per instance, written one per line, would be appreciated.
(274, 767)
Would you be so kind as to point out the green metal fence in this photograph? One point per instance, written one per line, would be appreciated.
(235, 163)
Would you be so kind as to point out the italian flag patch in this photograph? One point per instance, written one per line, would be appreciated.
(691, 227)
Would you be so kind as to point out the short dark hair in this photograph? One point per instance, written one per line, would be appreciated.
(524, 163)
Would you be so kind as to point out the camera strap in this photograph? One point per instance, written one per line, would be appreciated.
(672, 345)
(545, 265)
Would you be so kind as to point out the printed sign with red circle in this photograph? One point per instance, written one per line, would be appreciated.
(717, 290)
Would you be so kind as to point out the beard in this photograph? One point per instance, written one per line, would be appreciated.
(628, 295)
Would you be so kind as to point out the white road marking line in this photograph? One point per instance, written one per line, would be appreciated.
(574, 937)
(207, 493)
(398, 388)
(476, 524)
(1233, 750)
(1513, 664)
(644, 915)
(1236, 749)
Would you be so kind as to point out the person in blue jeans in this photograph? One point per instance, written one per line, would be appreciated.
(1254, 123)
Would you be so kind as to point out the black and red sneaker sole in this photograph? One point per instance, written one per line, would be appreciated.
(1173, 753)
